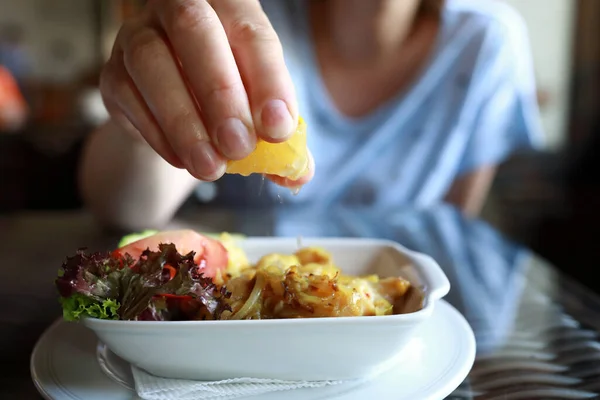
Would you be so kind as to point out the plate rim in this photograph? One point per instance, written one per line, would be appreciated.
(35, 356)
(446, 388)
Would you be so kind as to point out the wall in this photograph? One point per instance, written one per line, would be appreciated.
(49, 21)
(551, 25)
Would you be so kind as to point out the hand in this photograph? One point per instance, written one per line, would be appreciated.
(200, 80)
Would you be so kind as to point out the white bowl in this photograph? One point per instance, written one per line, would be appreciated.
(286, 349)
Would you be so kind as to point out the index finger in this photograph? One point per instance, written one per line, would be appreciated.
(200, 44)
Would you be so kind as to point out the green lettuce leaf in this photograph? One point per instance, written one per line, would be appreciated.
(77, 306)
(134, 237)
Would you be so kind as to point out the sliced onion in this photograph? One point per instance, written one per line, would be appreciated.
(254, 297)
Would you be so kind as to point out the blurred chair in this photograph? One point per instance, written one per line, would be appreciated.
(568, 235)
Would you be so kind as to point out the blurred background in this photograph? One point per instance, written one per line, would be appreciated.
(547, 201)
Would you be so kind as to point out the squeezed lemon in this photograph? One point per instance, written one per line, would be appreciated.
(288, 159)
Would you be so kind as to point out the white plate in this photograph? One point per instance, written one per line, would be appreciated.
(65, 366)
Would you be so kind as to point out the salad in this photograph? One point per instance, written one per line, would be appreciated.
(147, 278)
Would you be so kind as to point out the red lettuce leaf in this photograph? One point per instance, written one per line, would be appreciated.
(140, 287)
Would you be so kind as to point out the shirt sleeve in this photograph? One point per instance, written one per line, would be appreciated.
(505, 117)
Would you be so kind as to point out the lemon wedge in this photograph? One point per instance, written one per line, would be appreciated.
(287, 159)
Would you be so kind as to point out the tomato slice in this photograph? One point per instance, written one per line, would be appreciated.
(211, 255)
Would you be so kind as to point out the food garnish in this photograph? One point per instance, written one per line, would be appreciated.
(288, 159)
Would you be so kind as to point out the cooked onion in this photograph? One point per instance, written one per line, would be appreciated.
(252, 303)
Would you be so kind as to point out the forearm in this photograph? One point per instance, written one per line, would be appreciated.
(470, 192)
(126, 185)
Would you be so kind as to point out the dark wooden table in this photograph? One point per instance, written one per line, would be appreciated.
(499, 286)
(32, 247)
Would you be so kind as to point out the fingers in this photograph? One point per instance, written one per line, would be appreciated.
(292, 184)
(128, 109)
(197, 81)
(260, 60)
(199, 40)
(153, 69)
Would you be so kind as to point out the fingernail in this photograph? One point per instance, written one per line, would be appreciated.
(234, 139)
(207, 164)
(277, 122)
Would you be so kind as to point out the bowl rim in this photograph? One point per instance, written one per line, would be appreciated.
(394, 318)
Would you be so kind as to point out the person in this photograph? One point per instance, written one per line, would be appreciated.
(407, 102)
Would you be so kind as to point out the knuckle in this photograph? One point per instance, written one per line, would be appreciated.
(188, 16)
(223, 91)
(245, 31)
(112, 87)
(178, 124)
(142, 47)
(107, 82)
(126, 30)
